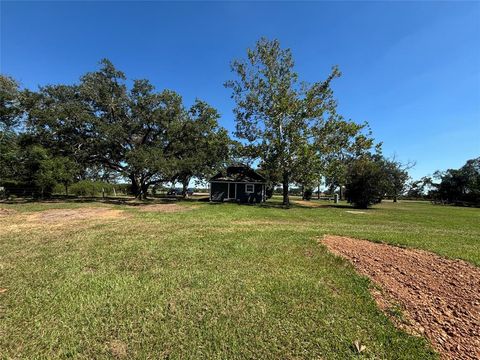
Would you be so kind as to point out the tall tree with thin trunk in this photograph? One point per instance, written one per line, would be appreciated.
(275, 112)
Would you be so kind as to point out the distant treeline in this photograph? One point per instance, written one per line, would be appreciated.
(452, 186)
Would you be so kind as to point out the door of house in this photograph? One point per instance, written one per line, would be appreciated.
(231, 191)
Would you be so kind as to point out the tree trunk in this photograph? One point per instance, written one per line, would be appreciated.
(66, 190)
(135, 187)
(143, 191)
(395, 198)
(303, 192)
(286, 200)
(340, 193)
(139, 188)
(318, 192)
(185, 187)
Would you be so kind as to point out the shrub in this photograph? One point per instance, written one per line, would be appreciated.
(59, 189)
(307, 194)
(91, 188)
(269, 192)
(366, 183)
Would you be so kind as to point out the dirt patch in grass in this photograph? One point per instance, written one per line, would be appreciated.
(310, 204)
(439, 298)
(118, 349)
(167, 208)
(57, 219)
(67, 215)
(6, 212)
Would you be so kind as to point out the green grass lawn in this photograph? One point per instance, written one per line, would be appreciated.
(219, 281)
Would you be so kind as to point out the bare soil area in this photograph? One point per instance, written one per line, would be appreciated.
(440, 298)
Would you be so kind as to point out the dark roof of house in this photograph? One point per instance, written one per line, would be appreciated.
(239, 173)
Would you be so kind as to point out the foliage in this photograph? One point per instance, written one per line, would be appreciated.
(141, 135)
(9, 157)
(91, 188)
(10, 115)
(340, 142)
(306, 169)
(274, 112)
(372, 177)
(204, 147)
(65, 171)
(29, 169)
(100, 129)
(34, 172)
(307, 194)
(418, 189)
(366, 182)
(290, 126)
(460, 185)
(10, 108)
(396, 176)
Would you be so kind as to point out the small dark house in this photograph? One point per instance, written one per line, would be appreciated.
(238, 183)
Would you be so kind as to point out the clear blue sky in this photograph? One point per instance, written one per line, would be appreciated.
(411, 69)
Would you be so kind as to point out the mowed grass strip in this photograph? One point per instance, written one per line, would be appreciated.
(220, 281)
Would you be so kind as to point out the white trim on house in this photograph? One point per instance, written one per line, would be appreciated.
(236, 183)
(246, 188)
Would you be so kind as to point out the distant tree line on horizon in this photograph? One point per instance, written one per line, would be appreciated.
(102, 130)
(452, 186)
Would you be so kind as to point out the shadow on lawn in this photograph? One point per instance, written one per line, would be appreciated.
(131, 201)
(126, 201)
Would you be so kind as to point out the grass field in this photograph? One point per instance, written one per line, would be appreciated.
(217, 281)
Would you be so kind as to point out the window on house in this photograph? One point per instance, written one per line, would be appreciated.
(249, 188)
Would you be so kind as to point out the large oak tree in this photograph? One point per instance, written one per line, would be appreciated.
(136, 132)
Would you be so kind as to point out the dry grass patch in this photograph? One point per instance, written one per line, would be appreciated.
(166, 208)
(59, 216)
(355, 212)
(118, 349)
(310, 204)
(17, 222)
(7, 212)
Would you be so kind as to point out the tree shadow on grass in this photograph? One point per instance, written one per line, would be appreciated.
(124, 201)
(131, 201)
(351, 207)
